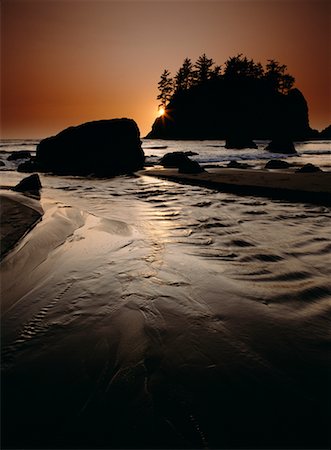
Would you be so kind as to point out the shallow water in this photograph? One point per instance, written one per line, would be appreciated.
(141, 313)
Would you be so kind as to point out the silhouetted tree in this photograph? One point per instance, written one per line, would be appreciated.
(241, 67)
(184, 76)
(203, 69)
(277, 78)
(165, 86)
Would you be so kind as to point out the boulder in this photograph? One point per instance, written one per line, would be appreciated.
(174, 159)
(190, 166)
(29, 184)
(277, 164)
(100, 148)
(239, 142)
(2, 164)
(309, 168)
(281, 145)
(236, 165)
(22, 154)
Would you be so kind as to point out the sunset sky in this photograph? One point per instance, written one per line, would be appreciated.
(64, 62)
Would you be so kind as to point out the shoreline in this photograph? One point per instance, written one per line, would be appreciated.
(275, 184)
(19, 214)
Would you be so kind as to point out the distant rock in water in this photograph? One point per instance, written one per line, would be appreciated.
(309, 168)
(100, 148)
(217, 108)
(29, 184)
(237, 165)
(174, 159)
(190, 166)
(239, 142)
(277, 164)
(23, 154)
(281, 145)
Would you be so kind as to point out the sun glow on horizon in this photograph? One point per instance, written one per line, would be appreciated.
(161, 112)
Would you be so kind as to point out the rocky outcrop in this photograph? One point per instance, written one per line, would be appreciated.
(281, 145)
(181, 161)
(22, 154)
(190, 166)
(28, 184)
(221, 108)
(100, 148)
(174, 159)
(309, 168)
(277, 164)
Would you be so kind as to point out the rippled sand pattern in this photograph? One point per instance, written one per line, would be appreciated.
(165, 315)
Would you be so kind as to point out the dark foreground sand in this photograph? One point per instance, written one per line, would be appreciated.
(283, 184)
(183, 318)
(18, 215)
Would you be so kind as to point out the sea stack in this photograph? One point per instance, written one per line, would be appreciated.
(101, 148)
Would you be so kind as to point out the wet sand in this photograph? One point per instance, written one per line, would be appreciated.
(18, 215)
(172, 316)
(283, 184)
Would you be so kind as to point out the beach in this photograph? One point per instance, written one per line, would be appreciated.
(146, 313)
(283, 184)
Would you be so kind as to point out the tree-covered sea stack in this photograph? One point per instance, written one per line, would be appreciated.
(241, 100)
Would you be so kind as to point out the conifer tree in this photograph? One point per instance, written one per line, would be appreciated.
(165, 86)
(203, 69)
(184, 76)
(277, 78)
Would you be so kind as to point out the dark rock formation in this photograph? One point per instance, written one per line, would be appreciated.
(277, 164)
(239, 142)
(2, 164)
(236, 165)
(281, 145)
(101, 148)
(309, 168)
(326, 133)
(190, 166)
(174, 159)
(23, 154)
(29, 184)
(222, 108)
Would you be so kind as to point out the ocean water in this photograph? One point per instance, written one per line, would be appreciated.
(141, 313)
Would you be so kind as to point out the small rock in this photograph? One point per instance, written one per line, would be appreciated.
(190, 167)
(309, 168)
(174, 159)
(29, 184)
(2, 164)
(23, 154)
(281, 145)
(236, 165)
(277, 164)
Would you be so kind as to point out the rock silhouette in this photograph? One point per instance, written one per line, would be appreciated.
(281, 145)
(190, 166)
(22, 154)
(100, 148)
(29, 184)
(309, 168)
(234, 106)
(277, 164)
(174, 159)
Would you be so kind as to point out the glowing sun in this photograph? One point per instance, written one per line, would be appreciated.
(161, 112)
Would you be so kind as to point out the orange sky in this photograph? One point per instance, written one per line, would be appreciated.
(64, 62)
